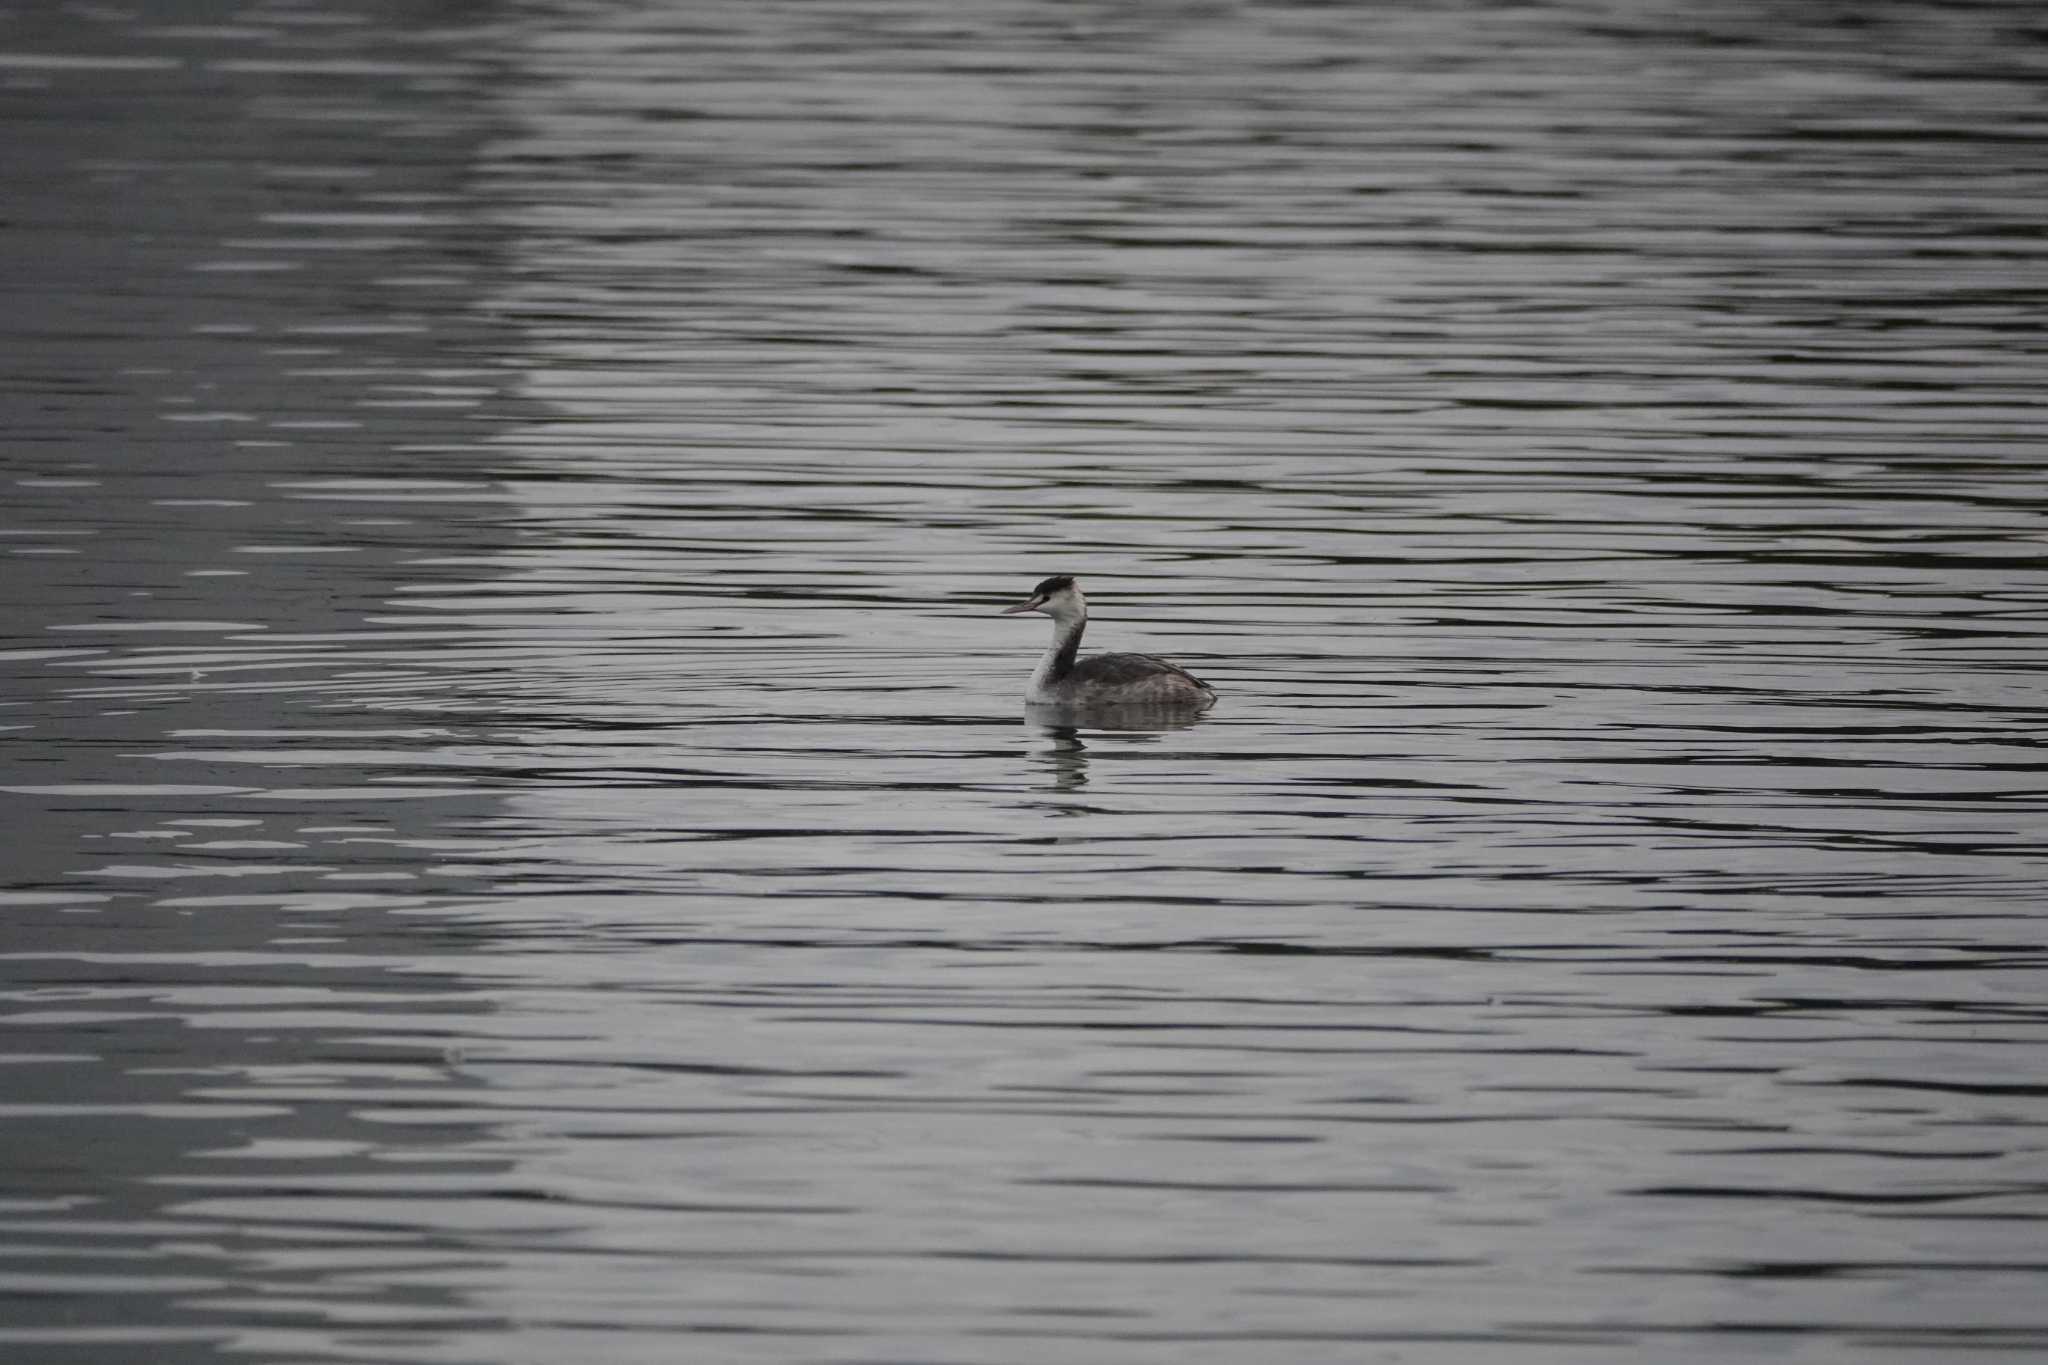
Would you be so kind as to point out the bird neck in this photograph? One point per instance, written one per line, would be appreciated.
(1066, 644)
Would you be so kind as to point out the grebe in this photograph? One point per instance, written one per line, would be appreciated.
(1106, 679)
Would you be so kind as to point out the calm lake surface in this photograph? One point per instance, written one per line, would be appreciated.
(524, 844)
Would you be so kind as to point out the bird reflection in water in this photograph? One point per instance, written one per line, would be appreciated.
(1063, 752)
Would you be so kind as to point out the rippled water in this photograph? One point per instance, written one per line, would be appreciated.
(524, 842)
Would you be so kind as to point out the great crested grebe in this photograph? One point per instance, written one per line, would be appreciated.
(1105, 679)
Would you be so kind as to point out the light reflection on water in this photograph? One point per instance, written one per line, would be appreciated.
(526, 843)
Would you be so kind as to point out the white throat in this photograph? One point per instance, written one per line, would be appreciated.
(1069, 613)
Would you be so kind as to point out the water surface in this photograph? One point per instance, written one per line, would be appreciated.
(525, 844)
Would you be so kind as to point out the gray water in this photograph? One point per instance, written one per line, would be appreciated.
(524, 844)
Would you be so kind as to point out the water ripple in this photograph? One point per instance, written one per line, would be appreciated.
(526, 845)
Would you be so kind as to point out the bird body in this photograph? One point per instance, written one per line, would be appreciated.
(1133, 680)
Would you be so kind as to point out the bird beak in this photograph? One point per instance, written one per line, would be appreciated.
(1032, 605)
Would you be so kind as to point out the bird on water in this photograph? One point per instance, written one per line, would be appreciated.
(1105, 679)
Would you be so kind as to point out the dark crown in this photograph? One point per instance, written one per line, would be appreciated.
(1057, 583)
